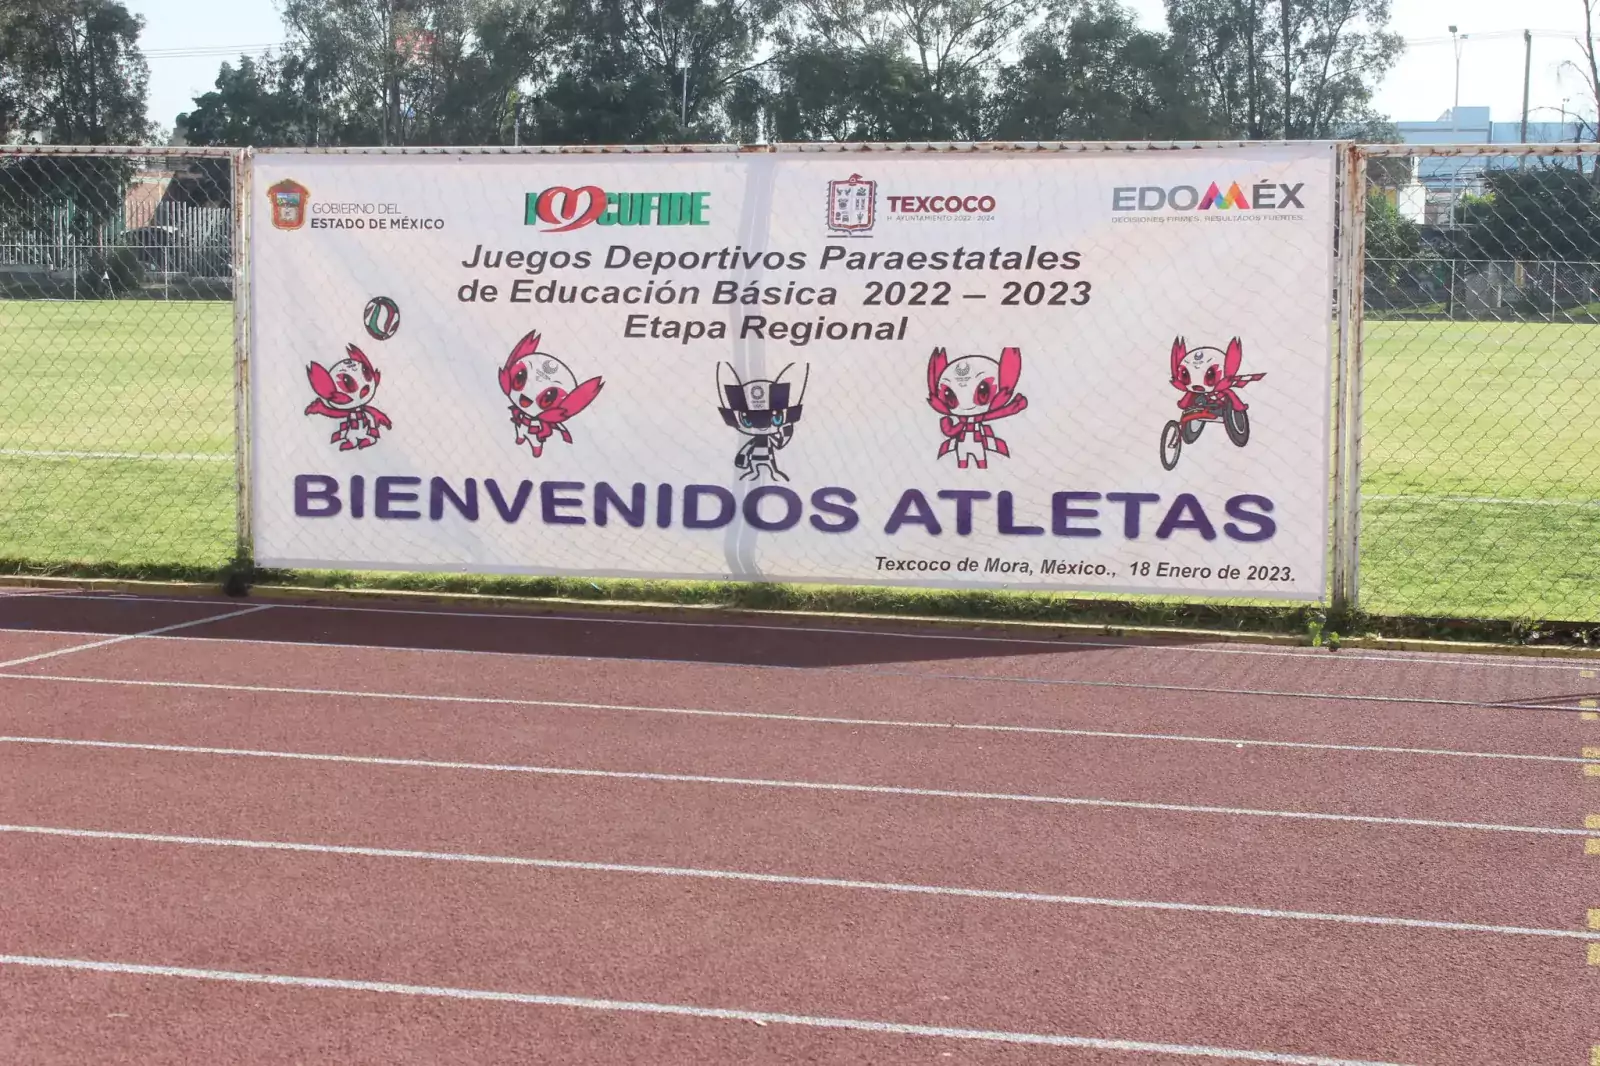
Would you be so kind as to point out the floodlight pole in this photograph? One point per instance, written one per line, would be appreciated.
(1455, 107)
(1527, 74)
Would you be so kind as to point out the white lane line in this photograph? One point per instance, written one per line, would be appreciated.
(1530, 704)
(134, 636)
(772, 716)
(682, 1010)
(1002, 895)
(1191, 644)
(165, 457)
(774, 783)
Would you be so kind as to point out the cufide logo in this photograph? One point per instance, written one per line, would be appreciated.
(1263, 196)
(561, 209)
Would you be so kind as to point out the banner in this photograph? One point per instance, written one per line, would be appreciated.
(1104, 371)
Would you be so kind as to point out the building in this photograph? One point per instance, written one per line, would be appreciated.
(1437, 183)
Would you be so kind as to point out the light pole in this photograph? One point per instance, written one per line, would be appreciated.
(1455, 121)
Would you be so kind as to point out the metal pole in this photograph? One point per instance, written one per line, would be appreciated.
(242, 215)
(686, 96)
(1357, 250)
(1527, 72)
(1339, 600)
(1455, 107)
(1286, 70)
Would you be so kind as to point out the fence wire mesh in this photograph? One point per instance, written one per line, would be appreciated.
(1479, 446)
(117, 437)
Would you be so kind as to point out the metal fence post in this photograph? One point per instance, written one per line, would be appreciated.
(1353, 377)
(1341, 306)
(1347, 404)
(1348, 279)
(244, 550)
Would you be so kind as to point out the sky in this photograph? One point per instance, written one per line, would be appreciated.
(1420, 87)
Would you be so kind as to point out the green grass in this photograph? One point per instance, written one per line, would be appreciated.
(1460, 414)
(1456, 414)
(139, 377)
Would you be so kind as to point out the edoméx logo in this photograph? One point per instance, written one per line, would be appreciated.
(1262, 196)
(560, 209)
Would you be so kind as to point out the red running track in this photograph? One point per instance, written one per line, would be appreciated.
(238, 832)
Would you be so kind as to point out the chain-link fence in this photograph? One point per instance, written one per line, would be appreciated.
(1479, 444)
(1473, 462)
(117, 409)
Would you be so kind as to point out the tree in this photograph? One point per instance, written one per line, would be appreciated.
(935, 59)
(1589, 71)
(362, 72)
(1545, 212)
(1294, 69)
(835, 93)
(253, 104)
(654, 70)
(71, 73)
(1090, 73)
(1390, 235)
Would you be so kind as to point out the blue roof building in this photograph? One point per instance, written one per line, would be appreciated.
(1473, 125)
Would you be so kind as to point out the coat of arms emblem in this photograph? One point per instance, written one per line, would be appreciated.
(852, 205)
(288, 199)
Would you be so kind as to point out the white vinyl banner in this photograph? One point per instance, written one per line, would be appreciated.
(1088, 370)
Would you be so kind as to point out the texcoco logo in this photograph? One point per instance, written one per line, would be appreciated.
(1263, 196)
(561, 209)
(949, 205)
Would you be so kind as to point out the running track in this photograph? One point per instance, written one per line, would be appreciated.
(233, 832)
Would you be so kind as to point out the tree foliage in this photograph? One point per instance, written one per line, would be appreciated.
(647, 71)
(1545, 212)
(71, 73)
(1295, 69)
(1090, 73)
(1389, 234)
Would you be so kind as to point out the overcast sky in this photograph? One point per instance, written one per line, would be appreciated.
(1420, 87)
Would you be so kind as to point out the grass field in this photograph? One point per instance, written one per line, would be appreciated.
(1481, 470)
(88, 390)
(1481, 453)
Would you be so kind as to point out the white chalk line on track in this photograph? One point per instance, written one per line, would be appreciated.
(682, 1010)
(1193, 645)
(158, 457)
(778, 783)
(800, 719)
(1531, 704)
(125, 637)
(694, 873)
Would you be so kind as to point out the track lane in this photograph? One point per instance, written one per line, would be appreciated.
(1420, 996)
(20, 643)
(1182, 666)
(1421, 993)
(1473, 877)
(1183, 662)
(1335, 782)
(161, 1021)
(824, 693)
(107, 616)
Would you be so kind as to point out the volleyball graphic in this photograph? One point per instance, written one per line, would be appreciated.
(382, 317)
